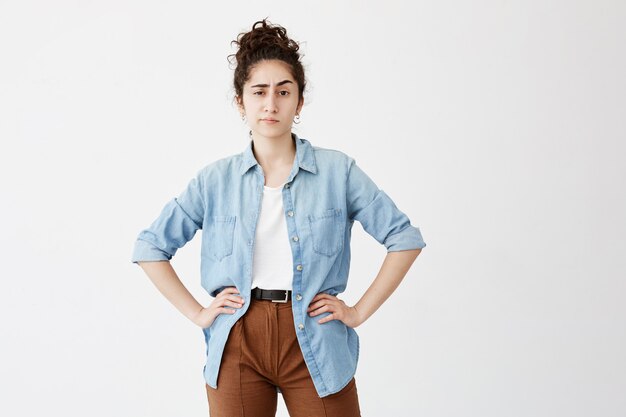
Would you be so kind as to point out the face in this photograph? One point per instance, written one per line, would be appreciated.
(270, 99)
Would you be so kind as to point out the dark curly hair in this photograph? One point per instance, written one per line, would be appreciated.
(264, 42)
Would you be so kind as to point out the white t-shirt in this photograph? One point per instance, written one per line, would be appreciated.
(272, 262)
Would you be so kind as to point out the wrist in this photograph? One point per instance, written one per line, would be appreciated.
(195, 318)
(360, 317)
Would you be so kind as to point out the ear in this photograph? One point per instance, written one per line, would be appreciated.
(300, 104)
(240, 104)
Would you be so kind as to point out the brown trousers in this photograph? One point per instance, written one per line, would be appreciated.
(261, 354)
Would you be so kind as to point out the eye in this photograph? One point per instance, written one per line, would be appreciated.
(258, 92)
(284, 91)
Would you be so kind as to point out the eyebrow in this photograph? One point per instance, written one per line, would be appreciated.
(267, 85)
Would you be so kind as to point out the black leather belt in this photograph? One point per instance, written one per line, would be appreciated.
(277, 296)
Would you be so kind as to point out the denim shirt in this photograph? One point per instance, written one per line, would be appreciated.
(324, 194)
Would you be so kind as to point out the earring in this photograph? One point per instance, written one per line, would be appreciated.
(297, 119)
(243, 117)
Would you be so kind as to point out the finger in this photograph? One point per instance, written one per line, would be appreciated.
(322, 298)
(317, 297)
(227, 310)
(313, 306)
(229, 306)
(322, 295)
(327, 319)
(228, 294)
(226, 302)
(236, 299)
(233, 304)
(317, 305)
(319, 311)
(325, 301)
(229, 290)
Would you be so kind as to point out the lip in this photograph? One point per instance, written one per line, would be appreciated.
(269, 120)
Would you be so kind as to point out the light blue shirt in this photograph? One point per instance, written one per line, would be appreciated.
(324, 194)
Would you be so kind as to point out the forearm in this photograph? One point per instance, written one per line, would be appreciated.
(394, 268)
(167, 282)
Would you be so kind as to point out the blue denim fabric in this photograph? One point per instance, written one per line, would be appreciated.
(323, 196)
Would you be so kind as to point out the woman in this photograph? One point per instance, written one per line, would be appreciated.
(276, 222)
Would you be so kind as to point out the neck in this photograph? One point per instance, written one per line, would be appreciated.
(274, 152)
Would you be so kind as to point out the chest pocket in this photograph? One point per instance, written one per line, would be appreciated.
(218, 242)
(327, 230)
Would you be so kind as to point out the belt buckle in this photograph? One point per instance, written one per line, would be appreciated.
(282, 301)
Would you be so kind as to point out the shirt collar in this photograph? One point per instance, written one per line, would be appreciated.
(305, 157)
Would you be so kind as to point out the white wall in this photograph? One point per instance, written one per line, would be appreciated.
(498, 127)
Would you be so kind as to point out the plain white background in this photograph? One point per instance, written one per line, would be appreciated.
(498, 127)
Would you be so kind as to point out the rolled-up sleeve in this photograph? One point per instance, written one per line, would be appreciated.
(176, 225)
(378, 214)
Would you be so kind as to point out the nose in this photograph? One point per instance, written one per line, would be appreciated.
(270, 103)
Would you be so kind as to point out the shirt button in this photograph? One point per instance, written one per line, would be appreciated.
(299, 267)
(287, 185)
(295, 238)
(301, 326)
(290, 213)
(298, 297)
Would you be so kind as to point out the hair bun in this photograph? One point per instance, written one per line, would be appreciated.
(264, 36)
